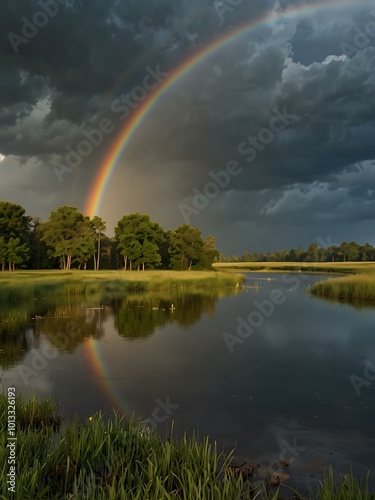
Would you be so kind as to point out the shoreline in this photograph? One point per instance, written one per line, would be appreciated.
(120, 458)
(351, 282)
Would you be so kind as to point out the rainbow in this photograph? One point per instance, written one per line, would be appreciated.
(99, 368)
(108, 165)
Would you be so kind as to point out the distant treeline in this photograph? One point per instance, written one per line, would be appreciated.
(69, 239)
(346, 252)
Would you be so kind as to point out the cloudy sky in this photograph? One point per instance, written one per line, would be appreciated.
(288, 109)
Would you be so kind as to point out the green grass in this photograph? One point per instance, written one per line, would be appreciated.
(358, 288)
(323, 267)
(109, 459)
(112, 458)
(346, 488)
(28, 285)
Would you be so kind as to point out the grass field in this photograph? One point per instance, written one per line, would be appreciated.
(115, 459)
(324, 267)
(359, 286)
(26, 284)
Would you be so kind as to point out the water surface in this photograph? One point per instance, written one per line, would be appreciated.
(286, 391)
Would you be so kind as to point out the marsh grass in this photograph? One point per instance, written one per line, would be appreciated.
(358, 288)
(34, 285)
(346, 487)
(108, 457)
(313, 267)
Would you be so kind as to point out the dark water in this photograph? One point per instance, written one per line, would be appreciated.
(300, 386)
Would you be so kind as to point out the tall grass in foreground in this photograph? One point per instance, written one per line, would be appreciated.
(347, 488)
(112, 459)
(117, 459)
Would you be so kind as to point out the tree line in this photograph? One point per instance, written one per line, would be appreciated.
(69, 239)
(345, 252)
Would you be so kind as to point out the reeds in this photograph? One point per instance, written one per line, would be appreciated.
(109, 459)
(357, 288)
(113, 458)
(347, 487)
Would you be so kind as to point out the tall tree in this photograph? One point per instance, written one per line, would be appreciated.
(188, 250)
(13, 221)
(68, 233)
(16, 253)
(312, 252)
(3, 253)
(138, 241)
(98, 225)
(14, 230)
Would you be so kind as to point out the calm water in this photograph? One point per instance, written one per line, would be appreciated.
(284, 392)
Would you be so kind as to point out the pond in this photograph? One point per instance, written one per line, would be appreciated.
(299, 384)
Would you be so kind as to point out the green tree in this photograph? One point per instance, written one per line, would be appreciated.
(98, 225)
(188, 250)
(139, 240)
(68, 233)
(16, 253)
(366, 252)
(210, 254)
(3, 252)
(350, 251)
(13, 221)
(313, 252)
(14, 231)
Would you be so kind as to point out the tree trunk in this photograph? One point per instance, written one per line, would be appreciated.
(98, 261)
(95, 262)
(143, 266)
(130, 266)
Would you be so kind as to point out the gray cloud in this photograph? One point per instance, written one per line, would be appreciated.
(317, 175)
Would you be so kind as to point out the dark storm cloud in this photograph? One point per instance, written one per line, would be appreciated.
(66, 78)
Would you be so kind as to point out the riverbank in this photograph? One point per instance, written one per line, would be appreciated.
(38, 284)
(359, 286)
(306, 267)
(112, 458)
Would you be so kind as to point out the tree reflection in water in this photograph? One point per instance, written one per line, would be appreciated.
(66, 322)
